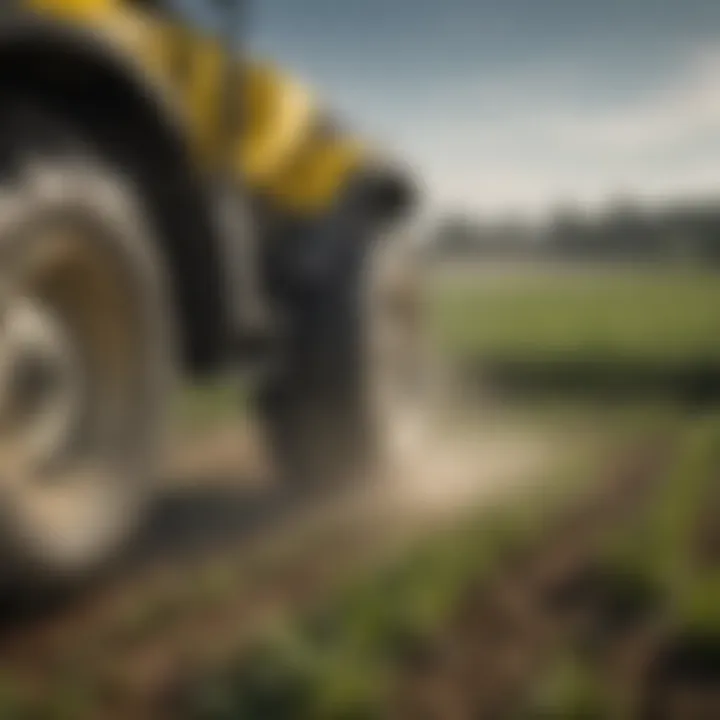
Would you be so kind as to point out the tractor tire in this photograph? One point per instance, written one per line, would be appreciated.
(351, 400)
(86, 356)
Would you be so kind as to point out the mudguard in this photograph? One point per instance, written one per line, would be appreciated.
(119, 108)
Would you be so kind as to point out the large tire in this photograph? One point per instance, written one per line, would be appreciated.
(350, 400)
(86, 355)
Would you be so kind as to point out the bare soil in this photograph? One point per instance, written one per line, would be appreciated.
(550, 597)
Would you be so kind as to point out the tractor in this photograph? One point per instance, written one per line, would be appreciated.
(171, 208)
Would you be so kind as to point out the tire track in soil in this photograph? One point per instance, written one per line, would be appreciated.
(227, 556)
(506, 630)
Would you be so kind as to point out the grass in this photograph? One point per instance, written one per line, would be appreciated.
(619, 330)
(652, 565)
(623, 330)
(206, 404)
(649, 317)
(568, 689)
(660, 547)
(340, 662)
(604, 330)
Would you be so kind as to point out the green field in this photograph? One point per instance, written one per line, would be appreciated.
(340, 662)
(594, 329)
(652, 317)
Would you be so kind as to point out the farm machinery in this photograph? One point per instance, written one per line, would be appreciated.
(170, 208)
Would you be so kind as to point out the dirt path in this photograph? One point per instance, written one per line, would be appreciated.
(226, 552)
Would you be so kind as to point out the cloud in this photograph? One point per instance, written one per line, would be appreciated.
(686, 109)
(545, 133)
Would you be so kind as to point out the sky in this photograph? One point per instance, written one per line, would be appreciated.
(509, 106)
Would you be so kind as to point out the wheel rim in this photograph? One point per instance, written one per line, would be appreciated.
(69, 378)
(41, 386)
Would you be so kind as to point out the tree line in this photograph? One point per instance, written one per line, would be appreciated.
(625, 231)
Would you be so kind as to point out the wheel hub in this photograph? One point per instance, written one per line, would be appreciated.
(40, 386)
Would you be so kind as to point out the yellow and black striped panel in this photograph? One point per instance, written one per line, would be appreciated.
(282, 150)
